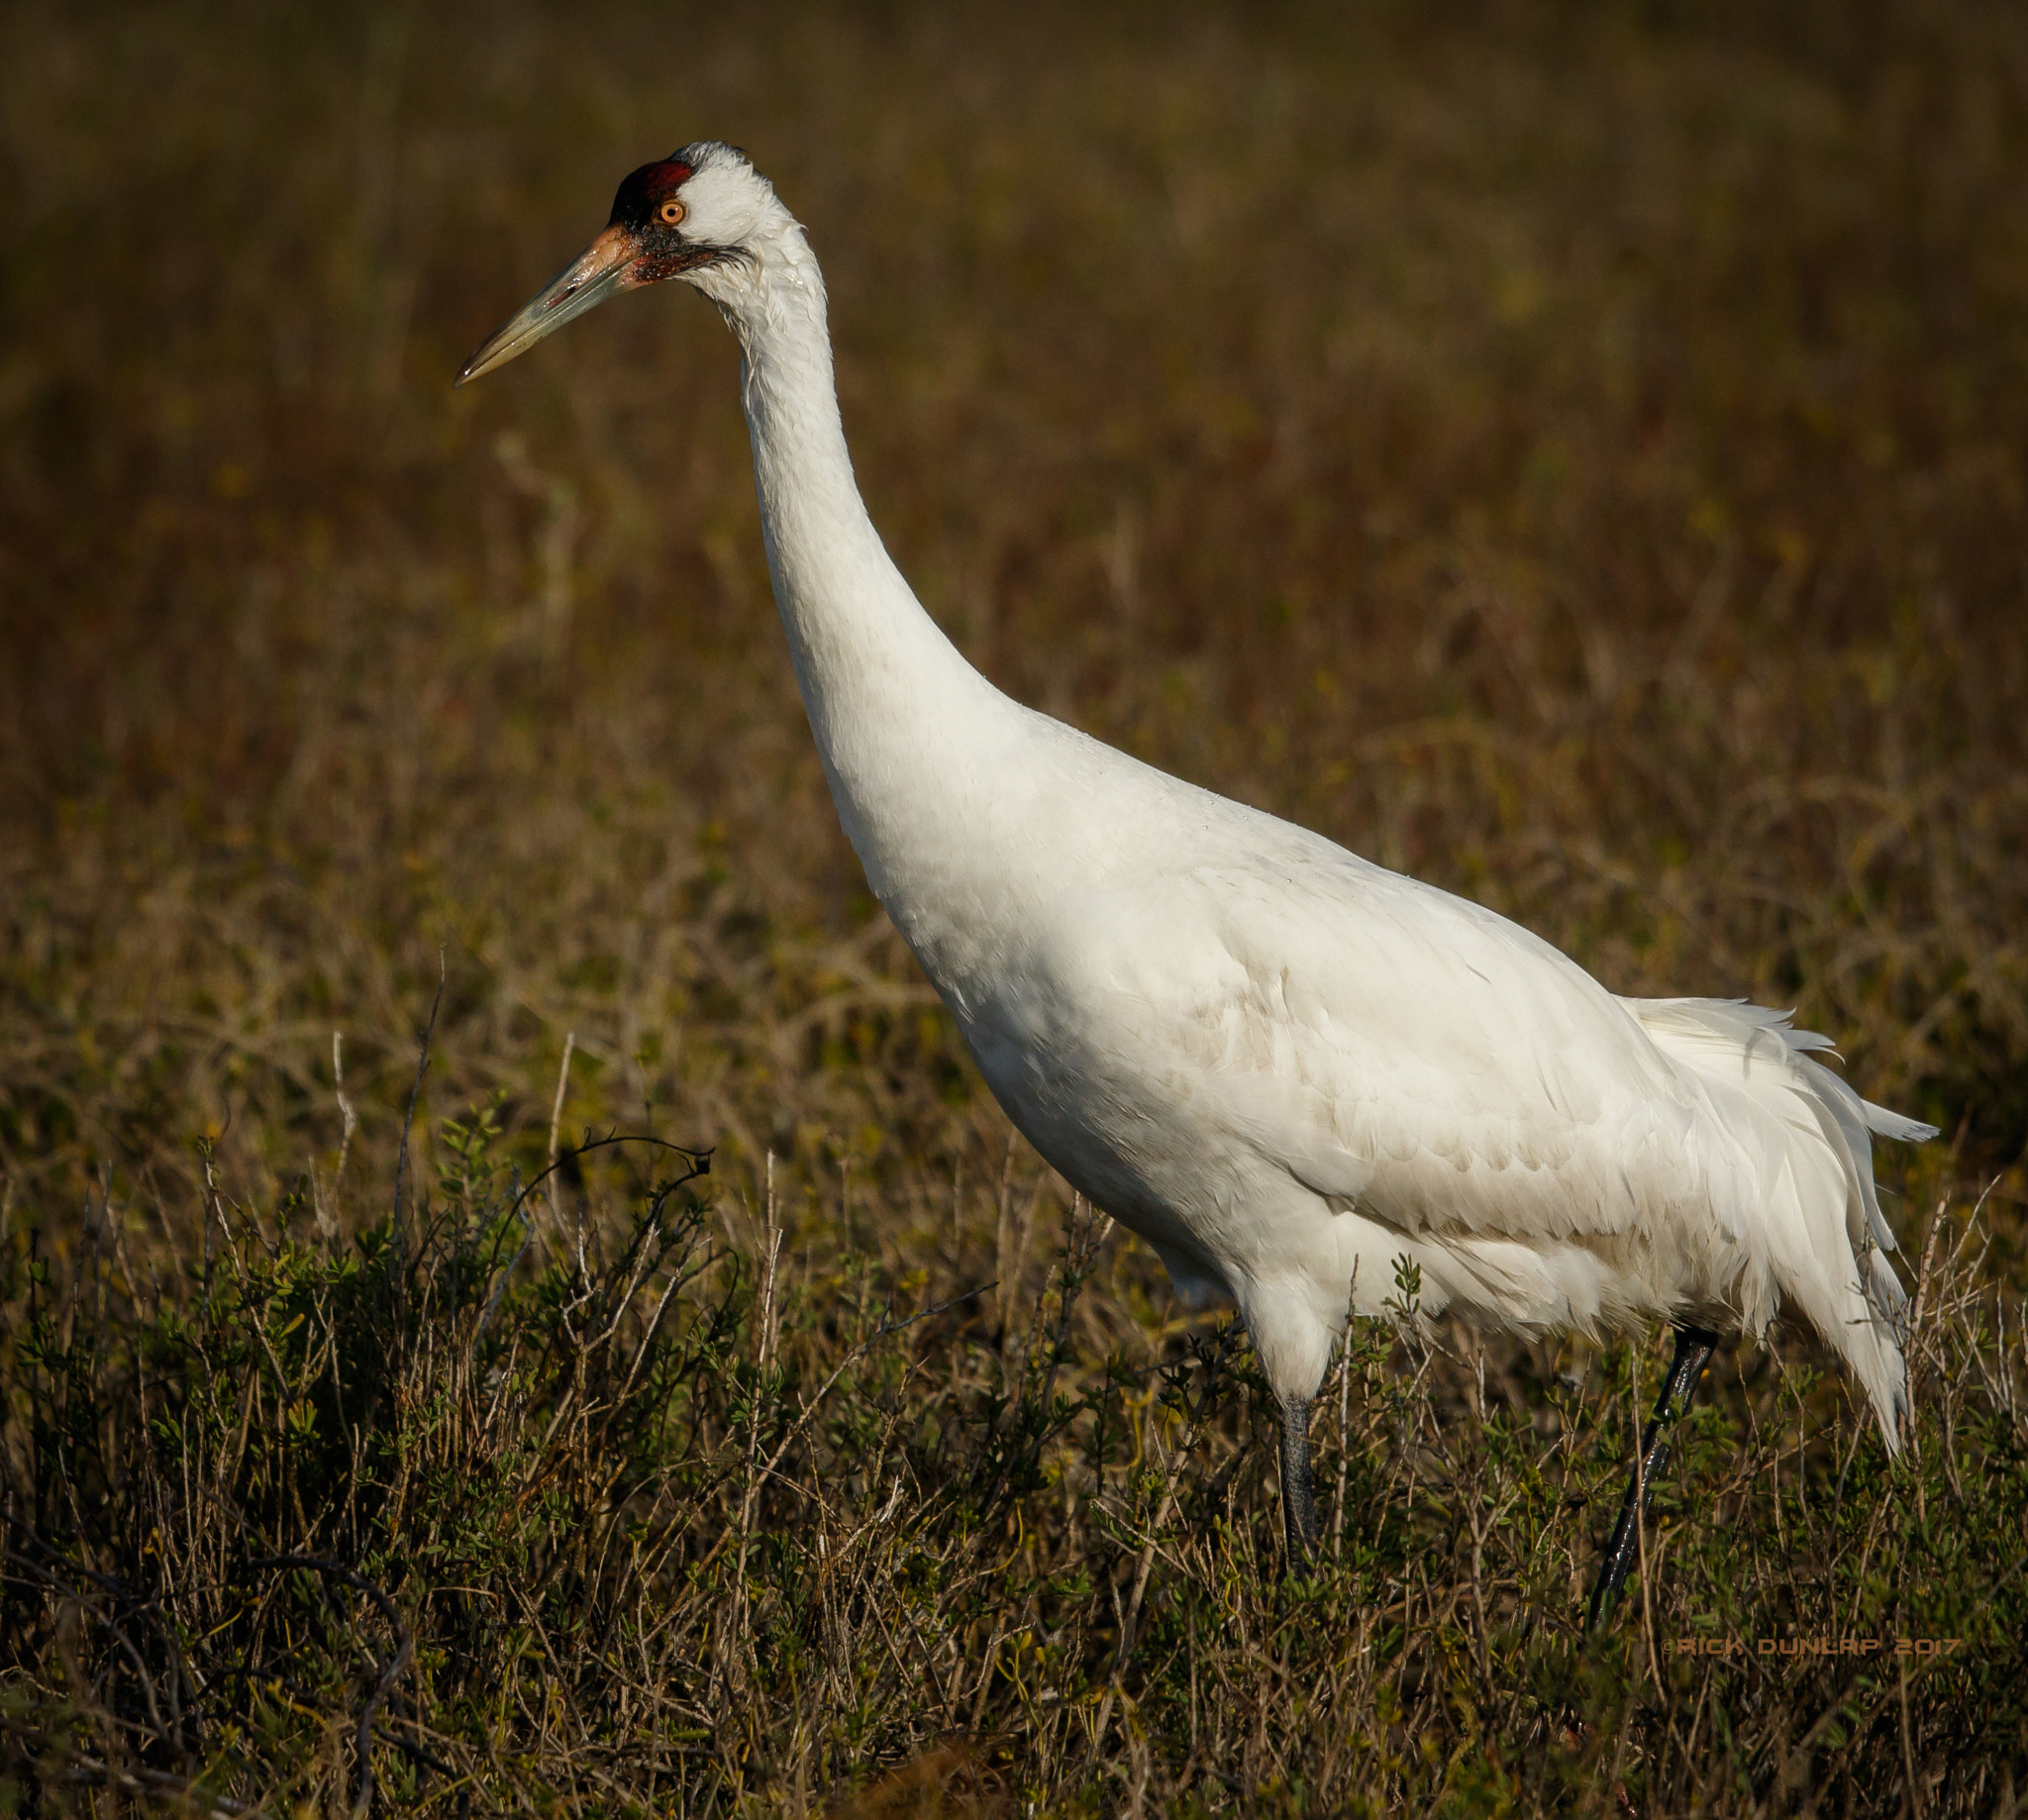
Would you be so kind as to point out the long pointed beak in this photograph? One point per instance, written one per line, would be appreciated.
(600, 271)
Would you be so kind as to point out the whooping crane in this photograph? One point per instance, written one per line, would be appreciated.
(1281, 1066)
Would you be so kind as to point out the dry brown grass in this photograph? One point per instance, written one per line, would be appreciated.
(1581, 466)
(490, 1511)
(1575, 457)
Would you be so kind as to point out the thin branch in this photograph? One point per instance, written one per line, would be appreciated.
(404, 1649)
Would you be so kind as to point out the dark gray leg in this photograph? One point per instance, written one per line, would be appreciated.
(1693, 1345)
(1298, 1502)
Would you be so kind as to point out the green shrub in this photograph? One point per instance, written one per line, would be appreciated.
(488, 1508)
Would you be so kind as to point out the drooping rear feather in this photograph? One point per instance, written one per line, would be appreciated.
(1824, 1250)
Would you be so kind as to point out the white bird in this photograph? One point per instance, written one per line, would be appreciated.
(1284, 1067)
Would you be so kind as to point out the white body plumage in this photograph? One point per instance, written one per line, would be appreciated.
(1283, 1066)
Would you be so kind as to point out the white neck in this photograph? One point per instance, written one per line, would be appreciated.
(896, 710)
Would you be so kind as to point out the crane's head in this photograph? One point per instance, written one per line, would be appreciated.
(701, 208)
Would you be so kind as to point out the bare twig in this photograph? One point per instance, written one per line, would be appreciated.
(404, 1648)
(556, 1124)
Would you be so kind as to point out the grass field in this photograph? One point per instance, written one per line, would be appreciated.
(1579, 457)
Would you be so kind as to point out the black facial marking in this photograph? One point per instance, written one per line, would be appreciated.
(656, 264)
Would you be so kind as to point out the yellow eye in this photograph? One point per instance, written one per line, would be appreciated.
(671, 213)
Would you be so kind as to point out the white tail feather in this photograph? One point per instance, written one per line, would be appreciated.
(1818, 1231)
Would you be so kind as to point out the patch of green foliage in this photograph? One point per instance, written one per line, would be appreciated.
(502, 1505)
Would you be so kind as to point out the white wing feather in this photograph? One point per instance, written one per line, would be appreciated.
(1419, 1061)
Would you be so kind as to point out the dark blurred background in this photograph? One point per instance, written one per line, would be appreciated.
(1572, 453)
